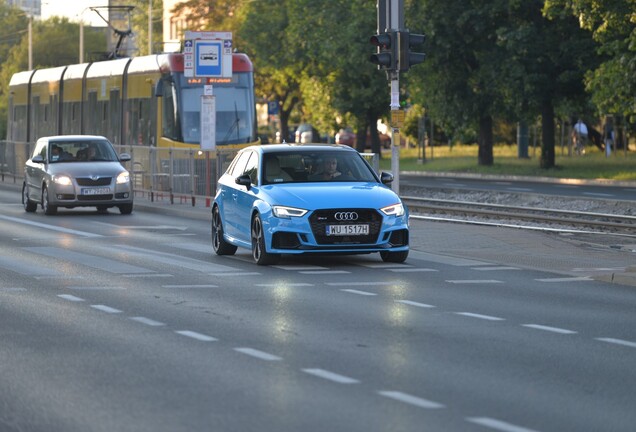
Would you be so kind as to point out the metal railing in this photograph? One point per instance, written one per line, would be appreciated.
(180, 176)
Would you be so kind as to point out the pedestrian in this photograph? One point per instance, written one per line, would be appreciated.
(608, 136)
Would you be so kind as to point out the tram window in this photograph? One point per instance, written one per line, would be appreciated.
(169, 111)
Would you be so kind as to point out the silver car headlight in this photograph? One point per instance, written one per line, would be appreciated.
(393, 210)
(287, 212)
(62, 180)
(123, 177)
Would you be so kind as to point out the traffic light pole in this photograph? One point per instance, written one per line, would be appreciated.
(395, 146)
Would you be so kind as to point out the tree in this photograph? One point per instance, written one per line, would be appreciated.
(140, 25)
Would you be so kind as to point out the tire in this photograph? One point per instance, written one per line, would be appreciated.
(394, 257)
(220, 246)
(259, 253)
(29, 206)
(48, 208)
(125, 209)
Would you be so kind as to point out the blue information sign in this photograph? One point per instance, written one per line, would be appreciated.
(208, 58)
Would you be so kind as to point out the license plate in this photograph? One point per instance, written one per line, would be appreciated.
(96, 191)
(345, 230)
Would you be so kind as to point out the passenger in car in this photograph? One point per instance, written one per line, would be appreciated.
(329, 170)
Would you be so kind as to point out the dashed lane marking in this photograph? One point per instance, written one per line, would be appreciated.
(410, 399)
(498, 424)
(495, 268)
(262, 355)
(50, 227)
(549, 329)
(70, 297)
(566, 279)
(331, 376)
(412, 303)
(480, 316)
(147, 321)
(375, 283)
(314, 272)
(474, 281)
(275, 285)
(93, 261)
(618, 342)
(234, 274)
(106, 309)
(364, 293)
(189, 286)
(411, 270)
(198, 336)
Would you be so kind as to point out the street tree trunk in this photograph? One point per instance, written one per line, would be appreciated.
(547, 135)
(485, 141)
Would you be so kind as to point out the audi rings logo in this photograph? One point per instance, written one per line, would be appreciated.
(346, 216)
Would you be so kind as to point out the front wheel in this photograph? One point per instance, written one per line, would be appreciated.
(259, 253)
(125, 209)
(394, 257)
(49, 209)
(220, 246)
(29, 206)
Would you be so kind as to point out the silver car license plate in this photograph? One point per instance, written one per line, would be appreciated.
(95, 191)
(345, 230)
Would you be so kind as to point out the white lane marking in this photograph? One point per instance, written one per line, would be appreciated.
(578, 269)
(411, 270)
(494, 268)
(234, 274)
(70, 297)
(498, 424)
(357, 283)
(566, 279)
(197, 336)
(325, 272)
(365, 293)
(258, 354)
(106, 309)
(412, 303)
(274, 285)
(189, 286)
(145, 227)
(50, 227)
(409, 399)
(153, 275)
(550, 329)
(147, 321)
(299, 267)
(485, 317)
(473, 281)
(618, 341)
(331, 376)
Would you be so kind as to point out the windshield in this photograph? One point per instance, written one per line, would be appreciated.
(316, 166)
(234, 112)
(81, 151)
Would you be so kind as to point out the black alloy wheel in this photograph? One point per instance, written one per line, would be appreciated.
(220, 246)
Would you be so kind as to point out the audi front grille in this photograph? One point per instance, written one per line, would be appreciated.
(321, 218)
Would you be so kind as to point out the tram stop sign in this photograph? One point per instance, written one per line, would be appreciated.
(208, 54)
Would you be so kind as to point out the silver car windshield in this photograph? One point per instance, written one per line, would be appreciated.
(81, 151)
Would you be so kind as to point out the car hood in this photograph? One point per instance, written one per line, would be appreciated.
(311, 196)
(86, 169)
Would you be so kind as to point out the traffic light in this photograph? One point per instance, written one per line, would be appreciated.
(386, 44)
(406, 42)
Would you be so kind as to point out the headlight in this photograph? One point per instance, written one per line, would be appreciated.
(287, 212)
(62, 180)
(393, 210)
(123, 177)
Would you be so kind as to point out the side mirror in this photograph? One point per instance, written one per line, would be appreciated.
(124, 157)
(244, 180)
(386, 178)
(37, 159)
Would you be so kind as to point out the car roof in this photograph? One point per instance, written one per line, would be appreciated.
(54, 138)
(292, 148)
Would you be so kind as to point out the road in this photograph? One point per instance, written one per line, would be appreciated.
(130, 323)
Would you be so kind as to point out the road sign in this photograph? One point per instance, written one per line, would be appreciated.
(397, 118)
(207, 54)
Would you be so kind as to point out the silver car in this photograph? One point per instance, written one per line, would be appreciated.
(76, 171)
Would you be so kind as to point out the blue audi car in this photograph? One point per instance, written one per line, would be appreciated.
(301, 199)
